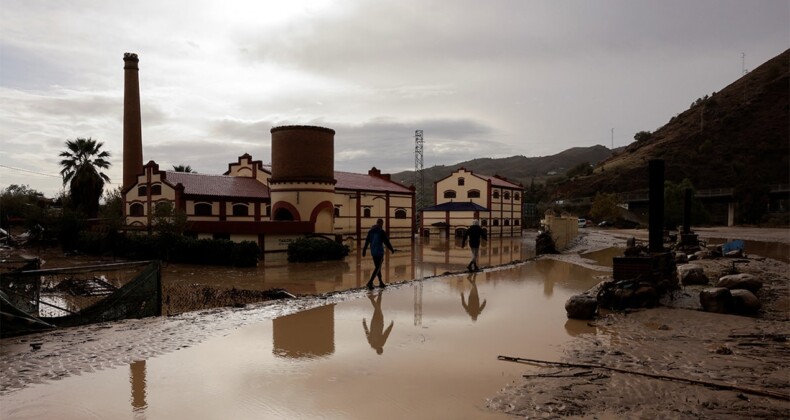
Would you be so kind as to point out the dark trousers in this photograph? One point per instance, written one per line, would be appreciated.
(377, 260)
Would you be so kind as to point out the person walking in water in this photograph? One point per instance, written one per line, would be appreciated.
(377, 239)
(474, 233)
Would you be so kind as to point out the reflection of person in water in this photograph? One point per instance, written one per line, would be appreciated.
(472, 305)
(377, 336)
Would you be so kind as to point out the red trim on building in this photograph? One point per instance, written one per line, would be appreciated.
(288, 206)
(322, 206)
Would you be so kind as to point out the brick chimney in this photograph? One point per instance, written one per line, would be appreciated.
(132, 126)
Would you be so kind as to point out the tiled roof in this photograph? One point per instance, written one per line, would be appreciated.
(456, 206)
(351, 181)
(218, 185)
(499, 182)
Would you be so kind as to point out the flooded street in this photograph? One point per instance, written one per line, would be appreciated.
(413, 260)
(425, 349)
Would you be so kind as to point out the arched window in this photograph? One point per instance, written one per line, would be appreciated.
(473, 194)
(400, 213)
(156, 189)
(507, 222)
(517, 196)
(496, 222)
(283, 214)
(460, 181)
(268, 210)
(203, 209)
(241, 209)
(337, 211)
(142, 191)
(484, 222)
(516, 222)
(136, 210)
(449, 194)
(366, 212)
(496, 193)
(507, 195)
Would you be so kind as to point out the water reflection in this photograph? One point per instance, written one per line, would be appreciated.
(376, 334)
(553, 272)
(305, 334)
(604, 257)
(472, 305)
(314, 364)
(426, 257)
(137, 379)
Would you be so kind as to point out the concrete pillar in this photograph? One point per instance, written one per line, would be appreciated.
(132, 126)
(656, 229)
(687, 197)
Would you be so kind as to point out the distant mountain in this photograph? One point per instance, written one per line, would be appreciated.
(736, 138)
(519, 169)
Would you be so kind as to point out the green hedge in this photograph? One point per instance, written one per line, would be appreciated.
(172, 248)
(316, 249)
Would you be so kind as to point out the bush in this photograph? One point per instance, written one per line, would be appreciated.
(173, 248)
(316, 249)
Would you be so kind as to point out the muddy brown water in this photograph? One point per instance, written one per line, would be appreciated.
(776, 250)
(423, 349)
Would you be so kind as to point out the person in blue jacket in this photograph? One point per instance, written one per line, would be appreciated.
(474, 234)
(377, 239)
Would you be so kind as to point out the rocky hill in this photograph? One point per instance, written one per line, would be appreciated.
(737, 138)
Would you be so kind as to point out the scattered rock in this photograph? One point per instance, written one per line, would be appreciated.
(716, 299)
(740, 281)
(582, 306)
(645, 296)
(702, 255)
(745, 302)
(692, 274)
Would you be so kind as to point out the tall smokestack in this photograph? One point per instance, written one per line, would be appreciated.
(132, 126)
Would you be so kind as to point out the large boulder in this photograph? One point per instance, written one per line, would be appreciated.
(740, 281)
(582, 306)
(744, 301)
(692, 274)
(716, 299)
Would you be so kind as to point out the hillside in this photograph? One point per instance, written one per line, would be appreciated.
(516, 168)
(736, 138)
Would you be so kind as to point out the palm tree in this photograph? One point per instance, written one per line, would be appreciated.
(81, 164)
(182, 168)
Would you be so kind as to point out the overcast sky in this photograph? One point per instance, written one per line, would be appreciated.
(481, 78)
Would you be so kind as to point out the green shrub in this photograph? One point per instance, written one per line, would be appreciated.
(316, 249)
(174, 248)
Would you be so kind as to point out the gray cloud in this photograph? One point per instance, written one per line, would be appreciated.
(482, 79)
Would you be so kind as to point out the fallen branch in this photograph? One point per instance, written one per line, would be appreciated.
(753, 391)
(774, 337)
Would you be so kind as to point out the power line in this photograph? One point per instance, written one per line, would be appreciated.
(29, 171)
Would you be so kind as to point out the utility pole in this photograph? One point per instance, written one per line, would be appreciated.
(419, 175)
(419, 200)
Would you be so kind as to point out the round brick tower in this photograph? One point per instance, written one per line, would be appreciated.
(303, 175)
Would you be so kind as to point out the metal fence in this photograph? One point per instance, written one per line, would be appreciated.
(64, 297)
